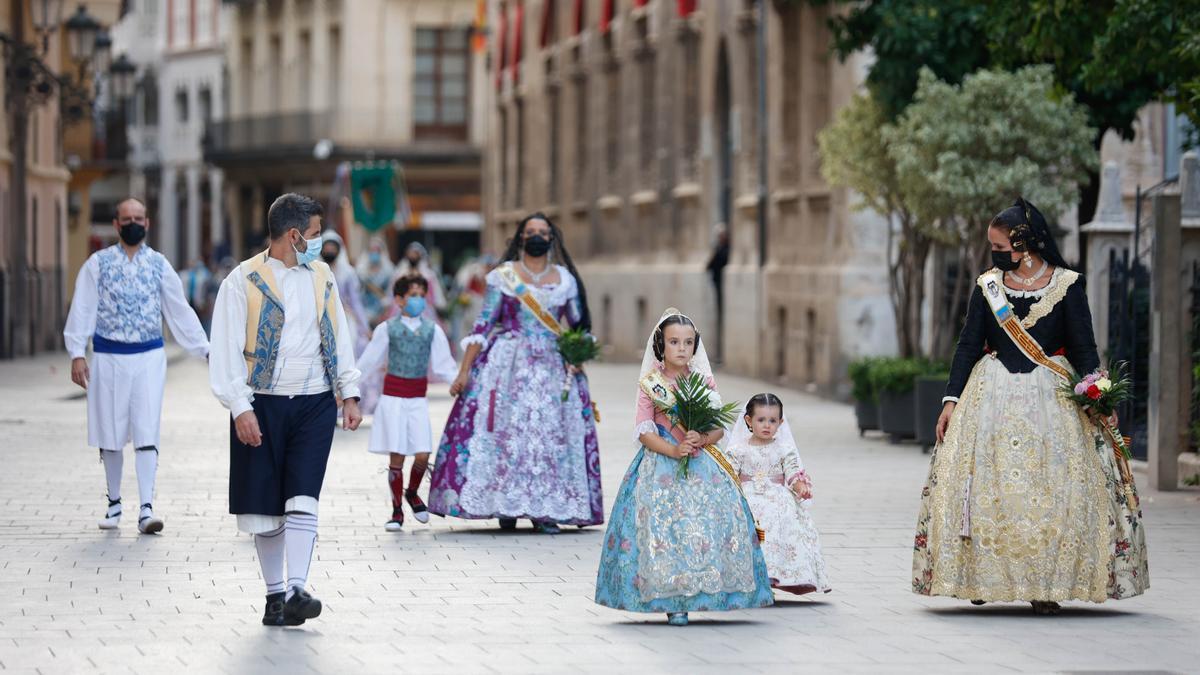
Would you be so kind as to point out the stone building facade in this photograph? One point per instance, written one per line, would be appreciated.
(314, 83)
(633, 125)
(47, 280)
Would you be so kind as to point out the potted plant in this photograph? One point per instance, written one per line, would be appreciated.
(866, 408)
(929, 390)
(893, 380)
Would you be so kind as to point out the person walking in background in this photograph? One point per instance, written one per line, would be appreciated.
(375, 274)
(416, 261)
(122, 295)
(196, 281)
(414, 351)
(282, 356)
(716, 271)
(333, 252)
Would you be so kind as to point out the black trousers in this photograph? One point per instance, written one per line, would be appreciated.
(297, 432)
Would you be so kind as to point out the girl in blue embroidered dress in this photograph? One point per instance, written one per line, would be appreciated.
(677, 544)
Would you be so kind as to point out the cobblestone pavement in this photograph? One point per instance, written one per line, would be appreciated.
(456, 596)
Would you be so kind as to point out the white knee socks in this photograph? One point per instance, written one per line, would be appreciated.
(113, 461)
(300, 535)
(270, 558)
(146, 459)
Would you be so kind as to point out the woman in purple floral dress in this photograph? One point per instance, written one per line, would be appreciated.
(513, 448)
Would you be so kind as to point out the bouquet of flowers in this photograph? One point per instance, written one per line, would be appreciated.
(577, 347)
(698, 408)
(1099, 393)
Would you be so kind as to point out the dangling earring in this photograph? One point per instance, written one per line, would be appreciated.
(1028, 260)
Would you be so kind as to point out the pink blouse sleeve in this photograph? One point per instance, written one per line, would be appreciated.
(645, 409)
(644, 416)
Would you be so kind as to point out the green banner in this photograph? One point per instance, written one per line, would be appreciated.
(373, 195)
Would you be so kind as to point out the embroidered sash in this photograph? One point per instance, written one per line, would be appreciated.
(519, 289)
(992, 284)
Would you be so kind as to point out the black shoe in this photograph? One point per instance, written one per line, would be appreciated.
(300, 608)
(508, 523)
(274, 614)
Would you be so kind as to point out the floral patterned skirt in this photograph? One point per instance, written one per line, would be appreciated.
(1048, 518)
(680, 544)
(513, 448)
(792, 547)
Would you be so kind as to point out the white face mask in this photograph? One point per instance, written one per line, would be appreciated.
(311, 252)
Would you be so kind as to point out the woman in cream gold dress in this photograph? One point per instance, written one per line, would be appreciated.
(1025, 499)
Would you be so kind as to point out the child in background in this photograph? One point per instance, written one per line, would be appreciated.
(415, 350)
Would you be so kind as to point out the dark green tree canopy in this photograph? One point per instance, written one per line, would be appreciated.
(1114, 56)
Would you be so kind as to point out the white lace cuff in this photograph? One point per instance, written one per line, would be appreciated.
(949, 399)
(475, 339)
(644, 427)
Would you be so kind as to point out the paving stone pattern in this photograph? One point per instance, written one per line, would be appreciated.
(463, 597)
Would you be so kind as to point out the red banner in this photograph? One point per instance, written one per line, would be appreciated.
(686, 7)
(518, 25)
(501, 48)
(547, 23)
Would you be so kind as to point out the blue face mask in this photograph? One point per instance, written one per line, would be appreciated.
(414, 306)
(311, 252)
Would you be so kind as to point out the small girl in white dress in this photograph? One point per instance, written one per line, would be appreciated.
(763, 452)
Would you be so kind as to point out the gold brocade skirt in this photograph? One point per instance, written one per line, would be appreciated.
(1048, 518)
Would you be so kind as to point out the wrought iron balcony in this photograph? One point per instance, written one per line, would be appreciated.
(352, 133)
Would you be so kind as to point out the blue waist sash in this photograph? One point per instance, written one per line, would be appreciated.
(102, 345)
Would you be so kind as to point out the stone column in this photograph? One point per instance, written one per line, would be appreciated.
(1167, 405)
(192, 233)
(1189, 187)
(216, 191)
(1110, 231)
(168, 215)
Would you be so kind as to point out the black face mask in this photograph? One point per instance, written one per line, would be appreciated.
(1004, 261)
(133, 233)
(329, 257)
(537, 245)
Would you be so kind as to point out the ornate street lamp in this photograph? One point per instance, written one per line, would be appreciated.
(45, 15)
(82, 29)
(102, 57)
(121, 75)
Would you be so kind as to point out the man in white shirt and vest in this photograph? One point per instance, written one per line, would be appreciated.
(281, 351)
(122, 295)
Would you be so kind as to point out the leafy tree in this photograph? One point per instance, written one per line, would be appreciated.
(1114, 56)
(946, 36)
(961, 155)
(952, 160)
(855, 154)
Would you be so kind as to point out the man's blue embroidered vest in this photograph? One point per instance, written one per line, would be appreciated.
(130, 295)
(264, 320)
